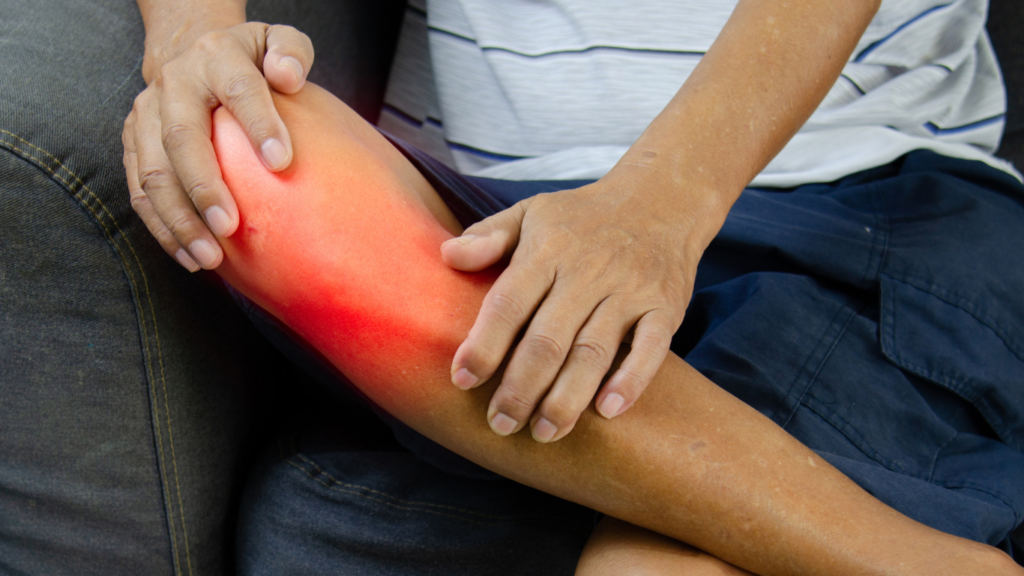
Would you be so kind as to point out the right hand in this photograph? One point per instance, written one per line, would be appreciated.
(173, 175)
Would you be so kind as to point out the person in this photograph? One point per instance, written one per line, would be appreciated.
(161, 333)
(689, 461)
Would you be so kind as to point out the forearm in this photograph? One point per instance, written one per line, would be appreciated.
(174, 24)
(344, 247)
(766, 73)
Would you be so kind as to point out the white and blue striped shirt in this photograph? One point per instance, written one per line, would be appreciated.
(558, 89)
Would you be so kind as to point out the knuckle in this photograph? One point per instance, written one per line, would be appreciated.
(508, 309)
(138, 199)
(199, 189)
(544, 347)
(285, 33)
(561, 410)
(653, 339)
(256, 28)
(592, 352)
(241, 87)
(153, 178)
(169, 73)
(213, 43)
(179, 224)
(515, 403)
(175, 134)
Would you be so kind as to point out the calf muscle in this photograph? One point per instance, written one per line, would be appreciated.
(344, 247)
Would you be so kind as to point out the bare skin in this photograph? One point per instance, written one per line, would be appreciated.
(620, 549)
(588, 266)
(344, 247)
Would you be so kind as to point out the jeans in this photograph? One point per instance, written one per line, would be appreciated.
(133, 395)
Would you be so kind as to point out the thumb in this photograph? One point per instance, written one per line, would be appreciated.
(488, 241)
(288, 58)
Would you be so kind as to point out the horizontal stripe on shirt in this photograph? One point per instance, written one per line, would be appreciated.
(546, 89)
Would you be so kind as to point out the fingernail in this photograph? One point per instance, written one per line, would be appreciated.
(218, 220)
(464, 379)
(204, 253)
(544, 431)
(611, 405)
(502, 424)
(274, 153)
(293, 65)
(185, 260)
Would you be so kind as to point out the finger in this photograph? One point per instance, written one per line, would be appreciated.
(587, 364)
(186, 134)
(651, 342)
(144, 208)
(540, 355)
(486, 242)
(288, 59)
(164, 192)
(505, 310)
(233, 78)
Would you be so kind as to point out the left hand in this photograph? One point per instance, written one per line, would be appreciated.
(587, 266)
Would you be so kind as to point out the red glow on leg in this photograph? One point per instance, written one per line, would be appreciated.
(338, 249)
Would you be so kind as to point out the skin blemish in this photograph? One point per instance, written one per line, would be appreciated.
(811, 462)
(698, 446)
(650, 154)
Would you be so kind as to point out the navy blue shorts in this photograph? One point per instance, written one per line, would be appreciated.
(878, 319)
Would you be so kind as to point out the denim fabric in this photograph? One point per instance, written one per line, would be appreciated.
(323, 505)
(876, 319)
(128, 387)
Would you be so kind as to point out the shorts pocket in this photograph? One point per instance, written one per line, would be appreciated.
(929, 332)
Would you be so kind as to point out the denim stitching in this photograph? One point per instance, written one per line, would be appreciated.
(1009, 502)
(791, 392)
(855, 437)
(349, 488)
(965, 304)
(131, 278)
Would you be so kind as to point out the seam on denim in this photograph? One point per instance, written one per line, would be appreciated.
(796, 402)
(389, 500)
(1009, 502)
(963, 303)
(882, 248)
(856, 438)
(70, 187)
(935, 460)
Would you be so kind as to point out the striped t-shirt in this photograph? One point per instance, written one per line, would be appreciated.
(559, 89)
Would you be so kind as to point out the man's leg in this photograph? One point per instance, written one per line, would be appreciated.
(344, 247)
(620, 549)
(128, 387)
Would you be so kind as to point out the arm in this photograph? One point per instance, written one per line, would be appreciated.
(590, 264)
(342, 247)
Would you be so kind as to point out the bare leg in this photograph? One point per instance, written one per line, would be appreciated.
(617, 548)
(344, 247)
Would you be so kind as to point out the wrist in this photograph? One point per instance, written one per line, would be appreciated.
(698, 205)
(173, 27)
